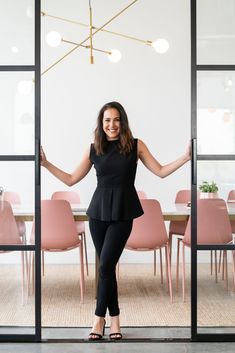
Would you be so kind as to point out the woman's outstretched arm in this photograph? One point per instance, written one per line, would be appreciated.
(155, 167)
(68, 178)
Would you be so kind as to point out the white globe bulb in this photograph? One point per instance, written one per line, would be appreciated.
(29, 12)
(14, 49)
(25, 87)
(115, 55)
(161, 45)
(53, 39)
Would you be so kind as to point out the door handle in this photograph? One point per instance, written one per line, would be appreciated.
(194, 161)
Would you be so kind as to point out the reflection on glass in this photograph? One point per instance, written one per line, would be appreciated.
(216, 112)
(17, 32)
(16, 113)
(215, 290)
(17, 309)
(216, 36)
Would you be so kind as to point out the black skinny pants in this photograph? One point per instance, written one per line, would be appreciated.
(109, 239)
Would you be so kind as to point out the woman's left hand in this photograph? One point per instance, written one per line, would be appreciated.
(188, 153)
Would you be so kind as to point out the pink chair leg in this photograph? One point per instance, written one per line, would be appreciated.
(183, 271)
(170, 243)
(161, 271)
(177, 264)
(223, 264)
(169, 271)
(23, 277)
(85, 250)
(216, 270)
(211, 252)
(154, 262)
(29, 273)
(220, 256)
(82, 281)
(226, 267)
(167, 277)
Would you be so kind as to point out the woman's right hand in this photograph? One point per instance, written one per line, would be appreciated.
(43, 157)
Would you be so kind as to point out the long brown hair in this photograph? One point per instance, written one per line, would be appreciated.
(125, 138)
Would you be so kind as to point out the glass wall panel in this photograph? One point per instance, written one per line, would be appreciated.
(216, 112)
(17, 309)
(215, 287)
(214, 216)
(17, 183)
(215, 32)
(17, 32)
(16, 113)
(221, 172)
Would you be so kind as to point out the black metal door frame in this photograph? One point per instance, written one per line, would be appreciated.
(195, 336)
(36, 68)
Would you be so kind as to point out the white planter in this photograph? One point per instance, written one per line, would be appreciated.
(208, 195)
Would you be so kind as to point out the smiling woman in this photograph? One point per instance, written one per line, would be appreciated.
(115, 203)
(154, 93)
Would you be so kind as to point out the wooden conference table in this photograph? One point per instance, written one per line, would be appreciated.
(173, 212)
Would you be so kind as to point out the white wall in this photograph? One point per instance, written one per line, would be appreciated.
(154, 89)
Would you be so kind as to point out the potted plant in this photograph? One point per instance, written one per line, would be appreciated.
(208, 190)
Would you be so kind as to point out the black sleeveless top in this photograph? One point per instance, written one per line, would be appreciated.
(115, 197)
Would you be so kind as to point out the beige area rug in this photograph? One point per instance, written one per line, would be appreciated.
(144, 301)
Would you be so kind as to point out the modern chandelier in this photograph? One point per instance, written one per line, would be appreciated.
(54, 38)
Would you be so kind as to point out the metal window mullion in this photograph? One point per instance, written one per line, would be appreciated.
(193, 172)
(37, 171)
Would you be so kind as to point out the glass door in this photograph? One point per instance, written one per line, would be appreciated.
(213, 167)
(20, 171)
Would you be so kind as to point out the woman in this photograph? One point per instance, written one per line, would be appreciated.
(115, 203)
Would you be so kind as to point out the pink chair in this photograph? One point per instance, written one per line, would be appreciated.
(73, 198)
(142, 196)
(14, 199)
(231, 198)
(59, 233)
(178, 227)
(149, 233)
(9, 235)
(213, 227)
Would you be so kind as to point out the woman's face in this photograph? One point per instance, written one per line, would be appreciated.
(111, 123)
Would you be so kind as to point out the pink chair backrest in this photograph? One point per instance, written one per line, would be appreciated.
(58, 230)
(141, 194)
(176, 227)
(12, 197)
(183, 196)
(149, 231)
(70, 196)
(213, 225)
(231, 196)
(9, 234)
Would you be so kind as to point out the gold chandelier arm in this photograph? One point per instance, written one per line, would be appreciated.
(87, 46)
(147, 42)
(86, 39)
(91, 38)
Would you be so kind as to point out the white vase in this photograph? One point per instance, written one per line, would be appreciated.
(208, 195)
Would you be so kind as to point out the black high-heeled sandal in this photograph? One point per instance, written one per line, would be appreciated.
(115, 336)
(97, 336)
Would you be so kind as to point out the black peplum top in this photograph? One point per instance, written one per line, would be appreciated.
(115, 197)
